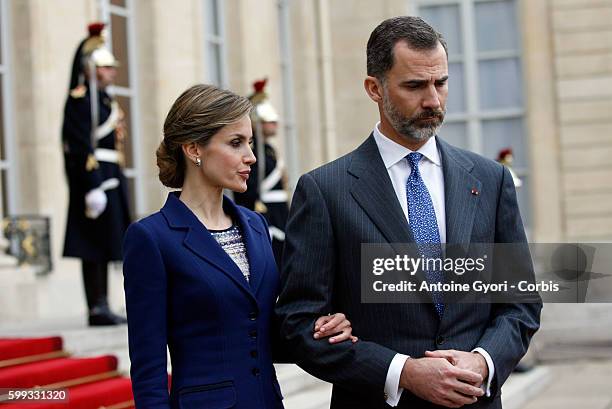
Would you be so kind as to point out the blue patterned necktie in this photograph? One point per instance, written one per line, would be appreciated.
(422, 220)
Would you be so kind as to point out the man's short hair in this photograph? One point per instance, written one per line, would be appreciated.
(414, 31)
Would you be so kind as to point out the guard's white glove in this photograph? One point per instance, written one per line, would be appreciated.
(95, 203)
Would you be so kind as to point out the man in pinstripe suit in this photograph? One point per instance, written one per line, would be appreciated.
(402, 185)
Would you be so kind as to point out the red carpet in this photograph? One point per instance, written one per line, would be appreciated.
(92, 383)
(91, 396)
(55, 370)
(11, 348)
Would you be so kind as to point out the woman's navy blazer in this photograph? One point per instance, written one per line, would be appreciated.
(183, 290)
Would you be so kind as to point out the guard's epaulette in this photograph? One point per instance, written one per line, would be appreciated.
(91, 163)
(260, 207)
(78, 92)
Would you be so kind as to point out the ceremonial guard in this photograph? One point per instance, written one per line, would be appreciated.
(506, 158)
(266, 192)
(92, 135)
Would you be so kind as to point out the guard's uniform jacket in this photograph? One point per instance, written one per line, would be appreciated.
(272, 195)
(87, 168)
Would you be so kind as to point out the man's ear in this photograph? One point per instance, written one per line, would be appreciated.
(373, 88)
(191, 151)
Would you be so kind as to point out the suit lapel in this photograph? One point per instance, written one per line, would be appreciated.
(461, 193)
(201, 242)
(374, 192)
(460, 207)
(253, 236)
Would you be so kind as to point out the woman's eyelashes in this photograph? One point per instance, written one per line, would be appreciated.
(237, 142)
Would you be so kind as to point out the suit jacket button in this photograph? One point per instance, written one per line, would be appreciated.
(440, 340)
(253, 333)
(255, 371)
(253, 315)
(254, 353)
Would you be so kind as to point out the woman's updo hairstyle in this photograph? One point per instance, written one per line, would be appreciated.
(199, 113)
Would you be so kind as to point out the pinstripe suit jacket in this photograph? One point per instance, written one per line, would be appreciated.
(351, 201)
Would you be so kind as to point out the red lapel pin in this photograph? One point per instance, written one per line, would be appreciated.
(475, 191)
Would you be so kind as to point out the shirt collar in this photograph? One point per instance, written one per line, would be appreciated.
(392, 152)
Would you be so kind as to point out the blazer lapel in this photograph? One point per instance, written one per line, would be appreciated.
(374, 192)
(461, 193)
(254, 238)
(201, 242)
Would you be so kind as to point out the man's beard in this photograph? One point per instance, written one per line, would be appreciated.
(412, 128)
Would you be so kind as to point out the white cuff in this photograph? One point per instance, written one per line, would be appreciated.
(486, 386)
(393, 392)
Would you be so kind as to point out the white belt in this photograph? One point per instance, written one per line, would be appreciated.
(111, 122)
(272, 179)
(274, 196)
(276, 233)
(109, 184)
(107, 155)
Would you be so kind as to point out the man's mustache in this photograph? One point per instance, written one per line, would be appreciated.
(429, 114)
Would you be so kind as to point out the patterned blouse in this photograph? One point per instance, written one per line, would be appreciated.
(231, 241)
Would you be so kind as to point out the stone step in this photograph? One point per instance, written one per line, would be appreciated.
(7, 261)
(520, 388)
(79, 339)
(294, 380)
(315, 397)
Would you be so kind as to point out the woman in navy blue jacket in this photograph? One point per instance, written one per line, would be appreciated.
(200, 275)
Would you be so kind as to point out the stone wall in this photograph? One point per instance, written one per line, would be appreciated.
(582, 33)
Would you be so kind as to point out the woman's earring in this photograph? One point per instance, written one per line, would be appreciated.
(198, 162)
